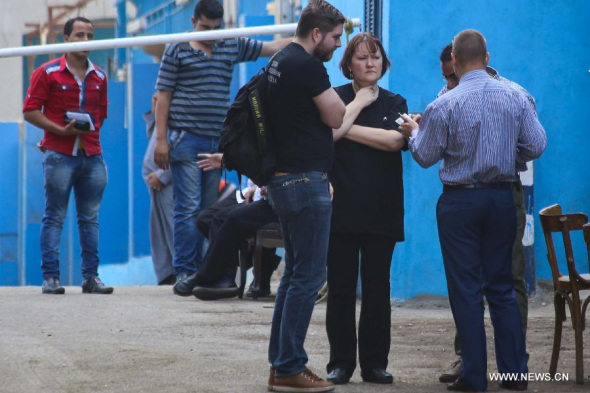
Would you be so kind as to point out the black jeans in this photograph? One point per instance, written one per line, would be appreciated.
(374, 335)
(229, 224)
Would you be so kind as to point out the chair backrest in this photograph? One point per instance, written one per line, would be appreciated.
(553, 221)
(586, 229)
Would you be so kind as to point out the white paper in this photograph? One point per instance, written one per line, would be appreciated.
(83, 117)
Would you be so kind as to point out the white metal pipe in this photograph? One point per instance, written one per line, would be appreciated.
(288, 28)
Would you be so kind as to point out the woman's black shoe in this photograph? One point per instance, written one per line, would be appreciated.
(377, 375)
(338, 376)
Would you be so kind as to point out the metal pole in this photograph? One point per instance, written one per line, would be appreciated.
(129, 120)
(288, 28)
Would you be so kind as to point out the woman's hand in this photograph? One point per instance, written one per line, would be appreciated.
(367, 95)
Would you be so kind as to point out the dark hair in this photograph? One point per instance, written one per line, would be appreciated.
(445, 55)
(469, 46)
(373, 45)
(318, 14)
(69, 26)
(212, 9)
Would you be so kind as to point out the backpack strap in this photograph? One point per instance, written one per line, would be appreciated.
(256, 106)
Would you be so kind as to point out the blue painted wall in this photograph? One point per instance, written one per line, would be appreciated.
(9, 159)
(542, 45)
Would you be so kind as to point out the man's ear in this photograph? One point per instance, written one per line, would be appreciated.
(316, 35)
(487, 58)
(193, 21)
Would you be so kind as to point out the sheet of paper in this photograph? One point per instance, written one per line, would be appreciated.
(82, 117)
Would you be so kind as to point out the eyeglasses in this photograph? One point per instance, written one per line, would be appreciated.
(450, 77)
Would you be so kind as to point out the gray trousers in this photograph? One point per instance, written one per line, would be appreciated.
(162, 246)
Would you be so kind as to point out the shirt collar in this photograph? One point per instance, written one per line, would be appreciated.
(493, 73)
(63, 65)
(472, 75)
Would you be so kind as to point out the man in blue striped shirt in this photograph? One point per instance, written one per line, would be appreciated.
(483, 130)
(518, 254)
(193, 97)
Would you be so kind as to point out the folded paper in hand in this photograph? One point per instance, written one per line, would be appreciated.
(84, 121)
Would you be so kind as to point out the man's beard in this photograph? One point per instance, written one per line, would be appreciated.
(323, 53)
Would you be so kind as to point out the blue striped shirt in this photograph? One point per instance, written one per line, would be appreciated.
(482, 130)
(521, 166)
(496, 75)
(200, 84)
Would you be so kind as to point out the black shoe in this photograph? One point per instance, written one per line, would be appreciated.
(452, 374)
(262, 292)
(181, 276)
(338, 376)
(94, 285)
(377, 375)
(460, 386)
(184, 286)
(220, 290)
(514, 385)
(52, 286)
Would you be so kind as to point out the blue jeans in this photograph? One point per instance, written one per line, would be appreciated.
(194, 190)
(302, 202)
(87, 175)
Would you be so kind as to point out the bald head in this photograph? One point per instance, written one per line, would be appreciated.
(469, 48)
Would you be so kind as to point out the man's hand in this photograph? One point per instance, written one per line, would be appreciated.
(209, 162)
(331, 191)
(249, 194)
(162, 154)
(408, 126)
(367, 95)
(70, 129)
(154, 182)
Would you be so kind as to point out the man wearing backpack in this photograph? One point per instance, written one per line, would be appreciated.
(193, 98)
(303, 110)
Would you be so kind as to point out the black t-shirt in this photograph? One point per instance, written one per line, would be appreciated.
(368, 184)
(302, 141)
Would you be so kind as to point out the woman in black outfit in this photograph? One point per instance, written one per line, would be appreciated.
(368, 215)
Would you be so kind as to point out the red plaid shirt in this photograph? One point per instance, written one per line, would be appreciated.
(54, 90)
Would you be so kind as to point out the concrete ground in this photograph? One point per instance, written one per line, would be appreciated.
(145, 339)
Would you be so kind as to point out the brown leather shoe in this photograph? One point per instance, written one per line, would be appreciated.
(452, 374)
(460, 386)
(305, 381)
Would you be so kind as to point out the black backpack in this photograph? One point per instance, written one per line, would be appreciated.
(245, 139)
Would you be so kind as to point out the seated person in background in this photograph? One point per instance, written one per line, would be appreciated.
(227, 224)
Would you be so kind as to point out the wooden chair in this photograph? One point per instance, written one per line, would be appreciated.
(567, 287)
(269, 236)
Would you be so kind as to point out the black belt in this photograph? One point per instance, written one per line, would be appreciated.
(503, 185)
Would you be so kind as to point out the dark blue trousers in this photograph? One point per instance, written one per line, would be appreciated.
(476, 230)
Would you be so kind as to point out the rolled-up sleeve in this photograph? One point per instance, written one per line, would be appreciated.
(38, 91)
